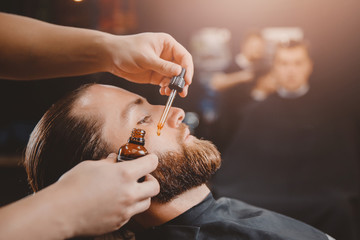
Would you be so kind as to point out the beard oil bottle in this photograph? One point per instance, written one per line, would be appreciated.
(134, 148)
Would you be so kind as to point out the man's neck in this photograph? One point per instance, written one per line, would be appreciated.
(159, 213)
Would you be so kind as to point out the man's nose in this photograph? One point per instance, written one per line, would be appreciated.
(175, 118)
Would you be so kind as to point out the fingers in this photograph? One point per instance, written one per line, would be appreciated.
(140, 206)
(183, 57)
(149, 188)
(165, 68)
(180, 57)
(167, 91)
(140, 167)
(146, 190)
(164, 83)
(162, 90)
(188, 77)
(185, 91)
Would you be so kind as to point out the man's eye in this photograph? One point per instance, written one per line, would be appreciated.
(146, 119)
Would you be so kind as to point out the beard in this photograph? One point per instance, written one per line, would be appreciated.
(193, 166)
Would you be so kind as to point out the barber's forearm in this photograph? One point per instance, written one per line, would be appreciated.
(41, 216)
(31, 49)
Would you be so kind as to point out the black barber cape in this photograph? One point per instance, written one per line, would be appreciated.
(231, 219)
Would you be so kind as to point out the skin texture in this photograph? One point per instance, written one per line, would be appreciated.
(185, 162)
(121, 111)
(79, 212)
(31, 49)
(57, 51)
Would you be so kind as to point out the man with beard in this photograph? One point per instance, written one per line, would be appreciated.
(96, 120)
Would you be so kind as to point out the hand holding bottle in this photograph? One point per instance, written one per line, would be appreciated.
(109, 191)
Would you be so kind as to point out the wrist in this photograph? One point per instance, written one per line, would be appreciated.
(111, 46)
(56, 206)
(97, 51)
(40, 216)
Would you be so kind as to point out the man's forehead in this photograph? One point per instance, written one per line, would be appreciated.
(98, 95)
(109, 89)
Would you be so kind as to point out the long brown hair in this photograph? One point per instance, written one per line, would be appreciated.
(61, 140)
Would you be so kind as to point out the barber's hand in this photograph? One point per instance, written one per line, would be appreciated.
(150, 58)
(103, 195)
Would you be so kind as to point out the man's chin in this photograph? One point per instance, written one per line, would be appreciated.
(179, 172)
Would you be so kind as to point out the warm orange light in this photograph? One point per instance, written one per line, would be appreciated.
(77, 0)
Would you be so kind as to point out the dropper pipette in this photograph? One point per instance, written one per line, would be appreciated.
(177, 84)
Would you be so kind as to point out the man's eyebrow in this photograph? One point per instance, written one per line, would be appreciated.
(131, 105)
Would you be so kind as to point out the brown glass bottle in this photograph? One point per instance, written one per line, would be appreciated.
(134, 148)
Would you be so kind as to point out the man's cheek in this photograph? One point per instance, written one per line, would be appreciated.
(158, 146)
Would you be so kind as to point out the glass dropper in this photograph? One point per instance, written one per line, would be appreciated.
(177, 84)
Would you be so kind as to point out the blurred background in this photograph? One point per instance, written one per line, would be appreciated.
(216, 33)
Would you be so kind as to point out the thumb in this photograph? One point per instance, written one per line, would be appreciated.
(166, 68)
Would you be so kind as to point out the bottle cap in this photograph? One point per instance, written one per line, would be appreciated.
(137, 136)
(177, 82)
